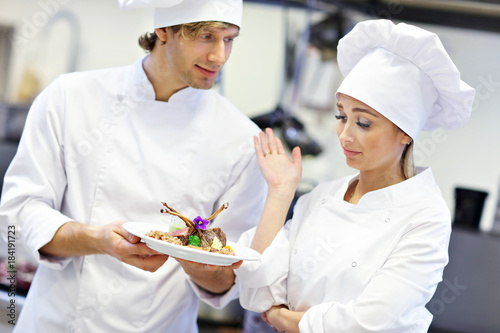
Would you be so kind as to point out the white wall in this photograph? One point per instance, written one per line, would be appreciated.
(470, 157)
(252, 79)
(108, 36)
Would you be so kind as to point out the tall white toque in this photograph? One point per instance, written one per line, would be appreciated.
(168, 13)
(404, 73)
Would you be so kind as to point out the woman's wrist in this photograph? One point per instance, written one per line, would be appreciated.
(281, 193)
(290, 319)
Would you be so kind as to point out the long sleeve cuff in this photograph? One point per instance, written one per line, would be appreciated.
(217, 301)
(38, 234)
(257, 274)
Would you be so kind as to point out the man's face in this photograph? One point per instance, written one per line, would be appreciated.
(197, 62)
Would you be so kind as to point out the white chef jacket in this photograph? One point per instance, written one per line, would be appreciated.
(369, 267)
(97, 148)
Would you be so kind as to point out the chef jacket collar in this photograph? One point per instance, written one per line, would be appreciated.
(142, 89)
(386, 197)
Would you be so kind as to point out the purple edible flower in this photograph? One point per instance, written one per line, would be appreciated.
(201, 223)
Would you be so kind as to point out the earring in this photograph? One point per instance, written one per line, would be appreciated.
(409, 142)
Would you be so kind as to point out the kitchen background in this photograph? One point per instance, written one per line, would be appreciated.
(284, 59)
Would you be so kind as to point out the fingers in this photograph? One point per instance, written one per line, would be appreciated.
(236, 265)
(267, 144)
(149, 263)
(258, 148)
(296, 155)
(128, 248)
(264, 317)
(132, 246)
(279, 146)
(135, 247)
(141, 256)
(271, 141)
(206, 267)
(133, 238)
(263, 144)
(196, 266)
(141, 249)
(124, 233)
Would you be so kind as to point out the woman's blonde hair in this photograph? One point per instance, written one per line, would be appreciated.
(407, 162)
(187, 30)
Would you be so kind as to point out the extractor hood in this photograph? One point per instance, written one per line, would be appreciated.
(468, 14)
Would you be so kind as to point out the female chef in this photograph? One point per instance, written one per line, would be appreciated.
(362, 253)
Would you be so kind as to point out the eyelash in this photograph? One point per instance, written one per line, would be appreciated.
(360, 124)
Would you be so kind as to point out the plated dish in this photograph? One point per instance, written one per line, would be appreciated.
(141, 229)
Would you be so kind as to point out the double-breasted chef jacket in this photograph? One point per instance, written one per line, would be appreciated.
(369, 267)
(97, 147)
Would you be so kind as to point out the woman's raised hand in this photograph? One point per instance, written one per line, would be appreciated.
(275, 165)
(282, 176)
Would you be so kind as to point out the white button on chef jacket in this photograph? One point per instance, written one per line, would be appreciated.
(347, 267)
(97, 148)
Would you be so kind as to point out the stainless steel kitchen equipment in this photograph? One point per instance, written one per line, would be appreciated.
(12, 119)
(5, 51)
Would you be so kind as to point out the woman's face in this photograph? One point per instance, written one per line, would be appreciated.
(370, 141)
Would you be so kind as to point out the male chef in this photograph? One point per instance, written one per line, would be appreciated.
(107, 146)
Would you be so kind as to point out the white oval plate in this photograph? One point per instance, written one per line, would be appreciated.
(140, 229)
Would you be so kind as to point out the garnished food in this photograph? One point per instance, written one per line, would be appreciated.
(194, 240)
(195, 233)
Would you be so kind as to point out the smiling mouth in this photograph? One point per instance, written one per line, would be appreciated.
(207, 72)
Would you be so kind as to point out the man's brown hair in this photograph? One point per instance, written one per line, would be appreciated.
(187, 30)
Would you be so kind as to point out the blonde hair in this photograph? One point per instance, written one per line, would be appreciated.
(407, 162)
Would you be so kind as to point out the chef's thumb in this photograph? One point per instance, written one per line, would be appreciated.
(125, 234)
(133, 238)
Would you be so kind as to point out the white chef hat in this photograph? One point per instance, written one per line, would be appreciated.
(404, 73)
(174, 12)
